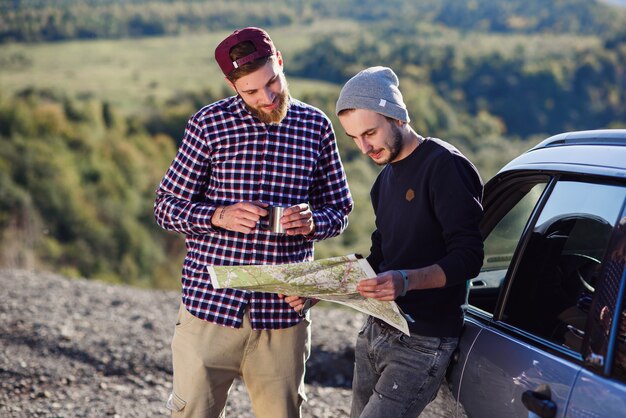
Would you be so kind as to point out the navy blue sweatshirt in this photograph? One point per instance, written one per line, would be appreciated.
(428, 208)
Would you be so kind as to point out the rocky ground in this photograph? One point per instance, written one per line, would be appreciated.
(78, 348)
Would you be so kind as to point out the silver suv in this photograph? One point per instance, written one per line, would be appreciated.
(545, 327)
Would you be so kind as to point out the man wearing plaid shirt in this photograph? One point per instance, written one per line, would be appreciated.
(239, 156)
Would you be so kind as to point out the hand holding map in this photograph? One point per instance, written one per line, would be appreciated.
(331, 279)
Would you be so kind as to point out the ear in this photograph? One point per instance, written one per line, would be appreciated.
(400, 123)
(279, 59)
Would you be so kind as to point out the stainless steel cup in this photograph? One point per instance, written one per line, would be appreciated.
(273, 223)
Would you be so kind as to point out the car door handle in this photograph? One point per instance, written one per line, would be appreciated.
(539, 404)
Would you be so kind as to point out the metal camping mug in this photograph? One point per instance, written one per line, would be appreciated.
(273, 223)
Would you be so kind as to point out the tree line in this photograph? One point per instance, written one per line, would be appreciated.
(73, 19)
(42, 20)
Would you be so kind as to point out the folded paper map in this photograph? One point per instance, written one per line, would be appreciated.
(331, 279)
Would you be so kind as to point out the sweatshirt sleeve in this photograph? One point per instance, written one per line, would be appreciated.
(457, 201)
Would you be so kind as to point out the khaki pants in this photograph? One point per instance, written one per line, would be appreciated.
(208, 357)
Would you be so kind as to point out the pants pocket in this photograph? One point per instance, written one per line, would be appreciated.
(184, 317)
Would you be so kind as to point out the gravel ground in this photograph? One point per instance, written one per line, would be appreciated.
(79, 348)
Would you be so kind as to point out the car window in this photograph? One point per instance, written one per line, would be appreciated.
(554, 282)
(520, 199)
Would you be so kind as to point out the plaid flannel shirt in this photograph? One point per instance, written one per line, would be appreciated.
(228, 156)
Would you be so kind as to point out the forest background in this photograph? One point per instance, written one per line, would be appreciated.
(95, 95)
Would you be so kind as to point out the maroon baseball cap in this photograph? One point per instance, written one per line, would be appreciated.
(259, 38)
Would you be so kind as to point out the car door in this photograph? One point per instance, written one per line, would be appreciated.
(600, 391)
(521, 350)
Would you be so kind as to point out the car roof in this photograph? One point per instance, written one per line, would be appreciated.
(601, 152)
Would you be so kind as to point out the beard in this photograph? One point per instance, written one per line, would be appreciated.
(394, 146)
(276, 115)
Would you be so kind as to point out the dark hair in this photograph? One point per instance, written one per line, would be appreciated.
(241, 50)
(349, 110)
(345, 111)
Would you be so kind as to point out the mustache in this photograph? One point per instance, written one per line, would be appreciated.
(273, 102)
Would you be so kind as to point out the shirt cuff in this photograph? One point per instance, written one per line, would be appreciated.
(204, 215)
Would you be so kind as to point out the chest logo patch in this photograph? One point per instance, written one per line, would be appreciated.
(410, 195)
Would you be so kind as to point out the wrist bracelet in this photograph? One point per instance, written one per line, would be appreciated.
(406, 282)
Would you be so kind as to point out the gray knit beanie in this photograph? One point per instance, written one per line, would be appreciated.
(375, 88)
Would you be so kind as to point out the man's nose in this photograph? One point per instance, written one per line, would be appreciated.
(363, 145)
(268, 95)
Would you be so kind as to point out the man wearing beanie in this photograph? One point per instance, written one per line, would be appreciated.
(239, 156)
(426, 246)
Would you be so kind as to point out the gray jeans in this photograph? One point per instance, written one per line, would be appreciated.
(396, 375)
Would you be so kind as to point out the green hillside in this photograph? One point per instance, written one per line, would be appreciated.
(95, 94)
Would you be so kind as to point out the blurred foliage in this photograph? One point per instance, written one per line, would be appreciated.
(45, 20)
(77, 175)
(78, 186)
(461, 95)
